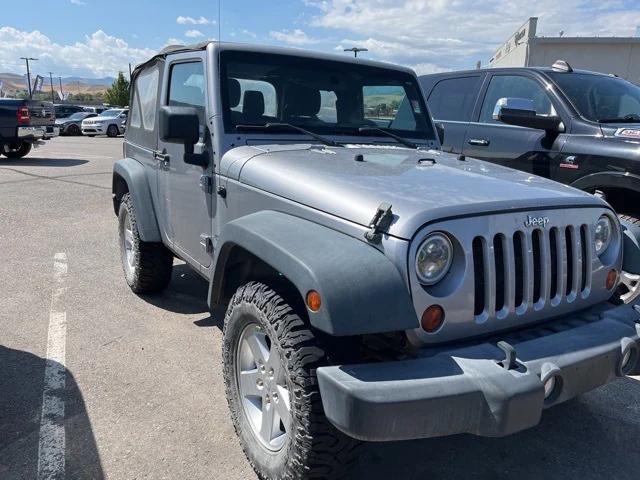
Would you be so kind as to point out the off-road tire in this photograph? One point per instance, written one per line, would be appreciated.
(630, 218)
(629, 281)
(24, 149)
(152, 262)
(112, 131)
(314, 448)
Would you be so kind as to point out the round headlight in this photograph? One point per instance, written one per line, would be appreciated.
(602, 234)
(434, 258)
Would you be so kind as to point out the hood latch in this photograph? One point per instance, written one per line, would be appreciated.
(380, 222)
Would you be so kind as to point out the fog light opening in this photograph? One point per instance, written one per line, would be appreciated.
(612, 279)
(628, 360)
(432, 319)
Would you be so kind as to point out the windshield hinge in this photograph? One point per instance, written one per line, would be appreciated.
(380, 222)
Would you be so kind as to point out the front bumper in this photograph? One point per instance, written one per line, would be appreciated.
(94, 129)
(464, 389)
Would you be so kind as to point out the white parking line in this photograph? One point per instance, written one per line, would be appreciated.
(52, 435)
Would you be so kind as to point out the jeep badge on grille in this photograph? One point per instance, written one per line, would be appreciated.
(536, 221)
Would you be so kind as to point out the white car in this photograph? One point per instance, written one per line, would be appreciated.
(110, 122)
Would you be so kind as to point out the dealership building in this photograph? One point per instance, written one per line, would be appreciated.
(616, 55)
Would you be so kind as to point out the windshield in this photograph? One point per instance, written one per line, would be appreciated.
(78, 116)
(600, 98)
(111, 113)
(326, 97)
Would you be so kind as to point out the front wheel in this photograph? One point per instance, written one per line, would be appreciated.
(16, 150)
(629, 289)
(270, 359)
(112, 131)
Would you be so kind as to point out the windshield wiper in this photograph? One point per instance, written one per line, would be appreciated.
(634, 117)
(289, 126)
(397, 138)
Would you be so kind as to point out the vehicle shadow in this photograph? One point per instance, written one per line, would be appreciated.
(41, 162)
(186, 293)
(592, 437)
(21, 388)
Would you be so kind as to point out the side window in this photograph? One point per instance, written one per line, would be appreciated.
(145, 95)
(454, 98)
(381, 103)
(328, 111)
(514, 86)
(260, 92)
(186, 86)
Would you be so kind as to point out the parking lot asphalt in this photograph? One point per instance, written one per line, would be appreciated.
(142, 376)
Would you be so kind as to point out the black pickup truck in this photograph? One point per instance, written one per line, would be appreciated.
(23, 123)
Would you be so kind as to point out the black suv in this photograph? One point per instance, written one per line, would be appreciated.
(65, 111)
(576, 127)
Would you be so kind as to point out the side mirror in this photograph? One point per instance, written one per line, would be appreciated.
(522, 113)
(440, 132)
(182, 125)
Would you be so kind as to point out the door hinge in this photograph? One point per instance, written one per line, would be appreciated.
(206, 183)
(380, 222)
(206, 243)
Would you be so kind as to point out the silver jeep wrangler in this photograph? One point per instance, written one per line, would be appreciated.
(375, 287)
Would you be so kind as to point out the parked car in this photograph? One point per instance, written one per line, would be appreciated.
(107, 123)
(24, 123)
(375, 287)
(577, 127)
(72, 125)
(65, 111)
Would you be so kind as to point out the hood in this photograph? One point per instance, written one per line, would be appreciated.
(422, 186)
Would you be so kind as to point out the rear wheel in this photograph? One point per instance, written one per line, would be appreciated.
(147, 266)
(270, 359)
(16, 150)
(629, 289)
(73, 130)
(112, 131)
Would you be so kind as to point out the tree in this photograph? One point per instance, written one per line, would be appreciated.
(118, 94)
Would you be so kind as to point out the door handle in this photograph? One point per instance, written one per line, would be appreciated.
(162, 158)
(480, 142)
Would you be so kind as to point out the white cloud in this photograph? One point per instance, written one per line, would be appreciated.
(77, 2)
(293, 37)
(193, 33)
(457, 33)
(98, 55)
(249, 33)
(427, 68)
(174, 41)
(194, 21)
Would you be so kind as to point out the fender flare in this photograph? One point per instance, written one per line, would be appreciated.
(133, 173)
(628, 181)
(362, 291)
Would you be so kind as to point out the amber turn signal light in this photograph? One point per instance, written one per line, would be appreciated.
(314, 302)
(432, 318)
(612, 278)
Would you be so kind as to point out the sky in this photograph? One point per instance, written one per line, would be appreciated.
(97, 38)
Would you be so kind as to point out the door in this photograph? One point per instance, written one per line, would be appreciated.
(184, 188)
(527, 149)
(451, 103)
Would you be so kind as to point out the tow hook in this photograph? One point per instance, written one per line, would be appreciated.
(510, 361)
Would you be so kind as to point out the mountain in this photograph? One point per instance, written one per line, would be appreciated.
(13, 82)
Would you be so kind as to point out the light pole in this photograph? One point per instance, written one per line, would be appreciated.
(355, 50)
(26, 59)
(53, 98)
